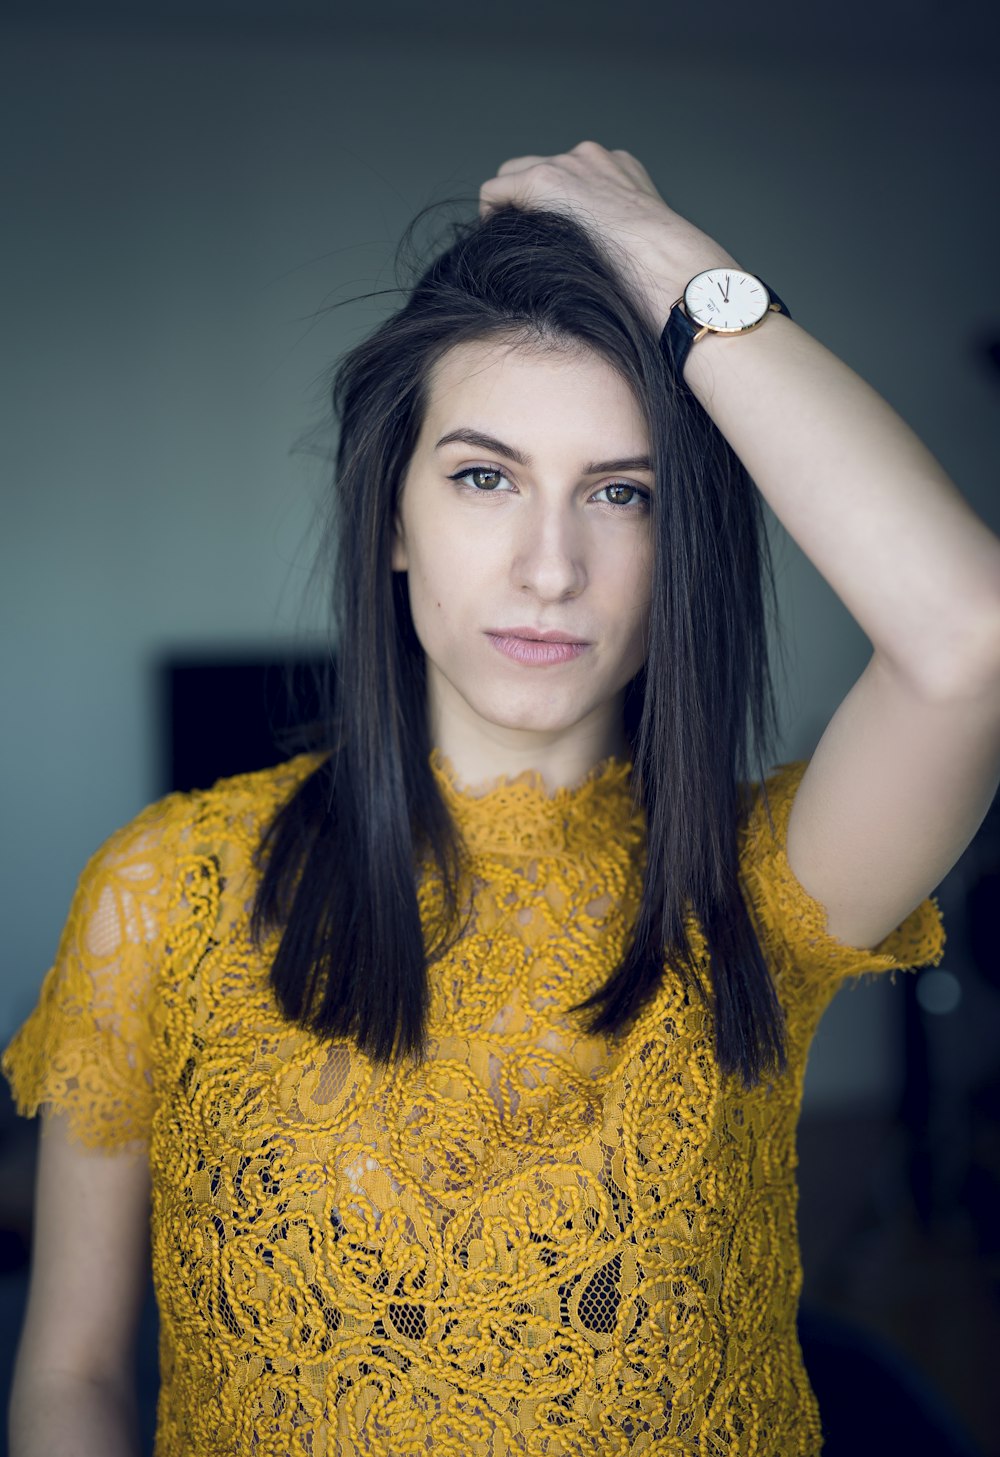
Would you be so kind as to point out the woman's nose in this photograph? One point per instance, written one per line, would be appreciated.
(548, 556)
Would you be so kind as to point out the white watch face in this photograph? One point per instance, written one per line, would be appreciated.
(726, 299)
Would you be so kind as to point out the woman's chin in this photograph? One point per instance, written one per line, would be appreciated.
(502, 712)
(534, 719)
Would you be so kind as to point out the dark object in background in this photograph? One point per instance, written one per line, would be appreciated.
(872, 1401)
(221, 715)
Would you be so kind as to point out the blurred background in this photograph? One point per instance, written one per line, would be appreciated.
(193, 195)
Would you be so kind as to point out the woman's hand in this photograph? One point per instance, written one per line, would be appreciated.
(612, 194)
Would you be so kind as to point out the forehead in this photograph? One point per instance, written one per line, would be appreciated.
(528, 387)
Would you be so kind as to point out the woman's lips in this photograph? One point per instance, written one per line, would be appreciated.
(535, 651)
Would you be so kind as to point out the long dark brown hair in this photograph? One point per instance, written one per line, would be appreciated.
(340, 858)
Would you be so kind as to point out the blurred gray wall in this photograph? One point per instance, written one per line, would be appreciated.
(182, 210)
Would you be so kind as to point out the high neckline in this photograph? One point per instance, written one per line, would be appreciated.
(517, 815)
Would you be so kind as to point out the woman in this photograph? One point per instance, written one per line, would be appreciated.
(455, 1064)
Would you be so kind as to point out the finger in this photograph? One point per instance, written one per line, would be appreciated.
(631, 164)
(511, 185)
(495, 193)
(488, 200)
(502, 185)
(589, 145)
(518, 164)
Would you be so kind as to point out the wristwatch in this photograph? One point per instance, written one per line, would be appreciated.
(718, 301)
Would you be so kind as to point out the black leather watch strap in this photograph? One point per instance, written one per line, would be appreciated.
(679, 331)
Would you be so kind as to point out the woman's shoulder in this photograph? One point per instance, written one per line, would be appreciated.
(253, 797)
(223, 822)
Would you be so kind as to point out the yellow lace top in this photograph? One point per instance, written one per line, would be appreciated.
(537, 1242)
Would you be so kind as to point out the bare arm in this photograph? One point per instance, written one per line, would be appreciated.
(904, 773)
(73, 1392)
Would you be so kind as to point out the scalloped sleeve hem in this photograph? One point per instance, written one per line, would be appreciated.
(794, 925)
(47, 1072)
(86, 1048)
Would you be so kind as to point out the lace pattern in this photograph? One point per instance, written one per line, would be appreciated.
(534, 1241)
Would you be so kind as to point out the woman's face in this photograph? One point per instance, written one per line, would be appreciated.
(539, 526)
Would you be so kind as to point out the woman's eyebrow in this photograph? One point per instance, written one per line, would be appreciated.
(497, 447)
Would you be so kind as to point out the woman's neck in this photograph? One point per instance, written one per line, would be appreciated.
(480, 752)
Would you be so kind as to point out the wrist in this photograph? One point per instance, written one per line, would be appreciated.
(665, 253)
(672, 278)
(724, 300)
(715, 356)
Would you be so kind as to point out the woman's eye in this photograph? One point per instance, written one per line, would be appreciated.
(621, 493)
(487, 478)
(483, 479)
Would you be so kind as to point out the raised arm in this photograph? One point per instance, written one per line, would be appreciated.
(906, 769)
(73, 1392)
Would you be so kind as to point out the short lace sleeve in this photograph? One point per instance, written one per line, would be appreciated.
(794, 924)
(85, 1048)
